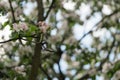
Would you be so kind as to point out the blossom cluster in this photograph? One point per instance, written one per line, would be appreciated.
(20, 70)
(20, 26)
(43, 26)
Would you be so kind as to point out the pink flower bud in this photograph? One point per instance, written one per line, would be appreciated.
(43, 26)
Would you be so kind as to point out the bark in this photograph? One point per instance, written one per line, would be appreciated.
(38, 46)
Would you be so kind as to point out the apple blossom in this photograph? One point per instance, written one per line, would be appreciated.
(106, 67)
(43, 26)
(116, 75)
(15, 27)
(23, 26)
(20, 26)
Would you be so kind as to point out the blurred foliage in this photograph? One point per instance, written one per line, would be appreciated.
(63, 56)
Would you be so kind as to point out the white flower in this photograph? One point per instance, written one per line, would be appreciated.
(68, 73)
(116, 76)
(14, 4)
(24, 50)
(75, 64)
(92, 72)
(54, 39)
(23, 26)
(106, 67)
(15, 27)
(20, 70)
(70, 40)
(20, 26)
(4, 3)
(43, 26)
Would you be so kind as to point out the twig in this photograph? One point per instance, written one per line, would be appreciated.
(102, 62)
(62, 77)
(103, 19)
(20, 37)
(8, 40)
(12, 11)
(50, 8)
(47, 49)
(45, 72)
(60, 52)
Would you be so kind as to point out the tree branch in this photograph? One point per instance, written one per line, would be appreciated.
(50, 8)
(9, 40)
(98, 24)
(62, 77)
(102, 62)
(20, 37)
(59, 54)
(45, 72)
(12, 11)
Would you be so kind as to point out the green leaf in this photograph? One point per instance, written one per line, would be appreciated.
(4, 25)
